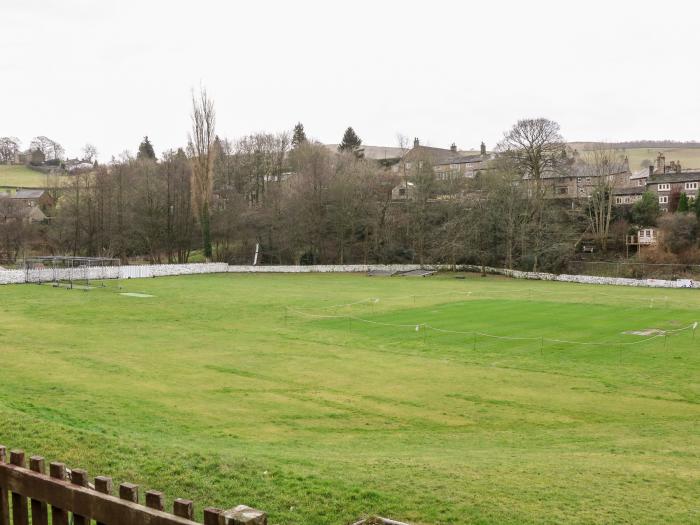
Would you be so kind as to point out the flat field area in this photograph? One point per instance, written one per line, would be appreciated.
(323, 398)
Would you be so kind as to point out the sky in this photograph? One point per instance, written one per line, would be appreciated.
(112, 71)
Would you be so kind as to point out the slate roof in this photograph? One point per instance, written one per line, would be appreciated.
(683, 176)
(27, 194)
(633, 190)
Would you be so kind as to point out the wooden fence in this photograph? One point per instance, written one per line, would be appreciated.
(28, 495)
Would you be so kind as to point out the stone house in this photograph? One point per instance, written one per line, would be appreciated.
(664, 186)
(35, 157)
(33, 198)
(446, 162)
(579, 180)
(628, 195)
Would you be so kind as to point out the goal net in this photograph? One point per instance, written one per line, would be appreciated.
(71, 272)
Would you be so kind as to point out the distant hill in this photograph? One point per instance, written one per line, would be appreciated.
(643, 152)
(388, 152)
(634, 144)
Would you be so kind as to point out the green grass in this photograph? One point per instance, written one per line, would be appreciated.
(219, 389)
(24, 177)
(688, 157)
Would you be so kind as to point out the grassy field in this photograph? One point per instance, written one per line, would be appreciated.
(23, 177)
(266, 390)
(688, 157)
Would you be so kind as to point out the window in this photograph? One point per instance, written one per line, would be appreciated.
(563, 190)
(642, 233)
(641, 182)
(402, 192)
(664, 187)
(578, 179)
(588, 180)
(618, 200)
(663, 199)
(691, 185)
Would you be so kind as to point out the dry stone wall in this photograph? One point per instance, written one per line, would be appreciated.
(162, 270)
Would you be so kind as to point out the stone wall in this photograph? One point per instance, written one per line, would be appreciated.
(161, 270)
(586, 279)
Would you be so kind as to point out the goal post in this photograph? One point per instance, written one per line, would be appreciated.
(71, 271)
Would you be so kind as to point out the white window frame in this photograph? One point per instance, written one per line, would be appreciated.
(663, 199)
(618, 200)
(691, 185)
(664, 187)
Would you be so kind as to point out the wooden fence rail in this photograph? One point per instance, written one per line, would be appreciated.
(26, 494)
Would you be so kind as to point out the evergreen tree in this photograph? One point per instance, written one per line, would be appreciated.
(646, 211)
(683, 204)
(352, 143)
(299, 136)
(146, 150)
(696, 206)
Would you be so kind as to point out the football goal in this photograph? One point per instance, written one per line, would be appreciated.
(71, 272)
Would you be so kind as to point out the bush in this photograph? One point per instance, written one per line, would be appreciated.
(679, 232)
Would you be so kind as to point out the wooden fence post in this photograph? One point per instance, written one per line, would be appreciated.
(129, 492)
(79, 477)
(4, 496)
(183, 508)
(58, 516)
(155, 500)
(103, 484)
(40, 511)
(212, 516)
(20, 511)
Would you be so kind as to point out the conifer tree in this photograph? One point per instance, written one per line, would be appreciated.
(146, 150)
(352, 143)
(683, 204)
(299, 135)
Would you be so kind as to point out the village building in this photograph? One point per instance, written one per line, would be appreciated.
(579, 180)
(447, 163)
(404, 191)
(33, 198)
(669, 185)
(34, 157)
(18, 209)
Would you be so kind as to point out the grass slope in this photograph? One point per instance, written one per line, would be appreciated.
(255, 389)
(24, 177)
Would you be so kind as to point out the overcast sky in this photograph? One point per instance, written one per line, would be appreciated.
(109, 72)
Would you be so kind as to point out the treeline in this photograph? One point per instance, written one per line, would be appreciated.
(217, 199)
(304, 204)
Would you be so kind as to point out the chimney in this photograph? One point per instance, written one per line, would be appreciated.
(651, 170)
(483, 149)
(453, 148)
(661, 163)
(416, 142)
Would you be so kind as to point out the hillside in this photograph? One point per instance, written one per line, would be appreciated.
(687, 153)
(24, 177)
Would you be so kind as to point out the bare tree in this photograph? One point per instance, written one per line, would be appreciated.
(51, 149)
(202, 154)
(9, 147)
(536, 150)
(89, 153)
(605, 167)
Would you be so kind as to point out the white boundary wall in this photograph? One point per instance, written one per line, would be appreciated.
(161, 270)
